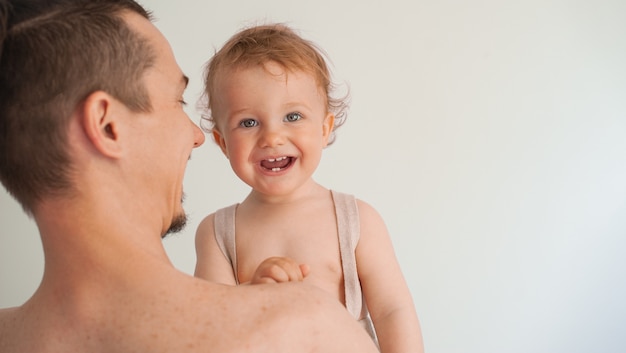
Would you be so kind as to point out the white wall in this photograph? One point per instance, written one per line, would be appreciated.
(491, 136)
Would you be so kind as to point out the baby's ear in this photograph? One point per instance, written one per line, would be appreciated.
(328, 125)
(101, 124)
(219, 139)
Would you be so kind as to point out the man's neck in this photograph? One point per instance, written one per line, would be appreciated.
(91, 247)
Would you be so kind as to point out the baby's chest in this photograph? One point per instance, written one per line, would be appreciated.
(318, 248)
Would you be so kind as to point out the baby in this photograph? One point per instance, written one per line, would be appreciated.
(272, 112)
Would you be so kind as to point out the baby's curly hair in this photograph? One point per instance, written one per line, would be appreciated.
(278, 43)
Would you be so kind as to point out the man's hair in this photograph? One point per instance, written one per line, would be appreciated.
(53, 55)
(258, 45)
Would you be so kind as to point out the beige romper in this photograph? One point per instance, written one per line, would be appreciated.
(348, 227)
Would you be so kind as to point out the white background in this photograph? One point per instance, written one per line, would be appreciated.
(490, 135)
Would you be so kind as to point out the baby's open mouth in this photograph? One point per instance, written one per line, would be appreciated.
(277, 164)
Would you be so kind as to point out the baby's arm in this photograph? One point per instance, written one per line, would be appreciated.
(387, 295)
(211, 264)
(279, 269)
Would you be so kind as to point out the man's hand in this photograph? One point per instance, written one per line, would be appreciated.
(279, 269)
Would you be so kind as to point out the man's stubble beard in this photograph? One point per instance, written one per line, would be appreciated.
(178, 222)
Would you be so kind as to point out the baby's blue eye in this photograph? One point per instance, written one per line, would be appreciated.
(248, 123)
(293, 117)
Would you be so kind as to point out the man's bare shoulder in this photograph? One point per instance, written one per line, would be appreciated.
(279, 317)
(7, 319)
(181, 313)
(9, 332)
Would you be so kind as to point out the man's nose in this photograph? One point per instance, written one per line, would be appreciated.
(198, 136)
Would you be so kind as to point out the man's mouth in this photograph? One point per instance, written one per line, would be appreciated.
(277, 164)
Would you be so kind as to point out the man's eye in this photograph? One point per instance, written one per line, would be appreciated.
(248, 123)
(293, 117)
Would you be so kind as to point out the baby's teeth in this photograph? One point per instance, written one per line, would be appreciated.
(275, 169)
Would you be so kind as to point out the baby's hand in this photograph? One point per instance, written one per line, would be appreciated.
(279, 269)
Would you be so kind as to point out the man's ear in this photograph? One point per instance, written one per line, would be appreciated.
(219, 139)
(328, 125)
(101, 123)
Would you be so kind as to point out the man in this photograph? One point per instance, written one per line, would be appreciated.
(94, 143)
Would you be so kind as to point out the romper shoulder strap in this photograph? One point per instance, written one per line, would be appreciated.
(224, 228)
(348, 228)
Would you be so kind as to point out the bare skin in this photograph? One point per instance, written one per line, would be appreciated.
(108, 285)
